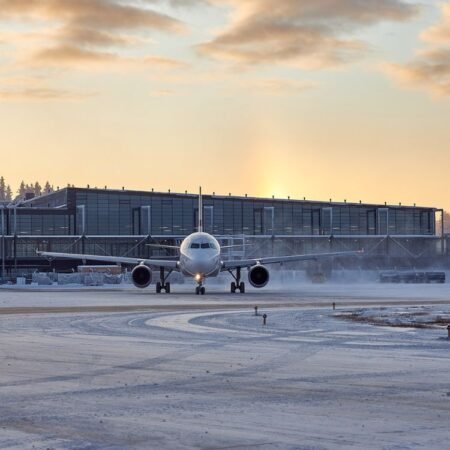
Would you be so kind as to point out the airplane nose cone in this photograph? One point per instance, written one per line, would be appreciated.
(204, 266)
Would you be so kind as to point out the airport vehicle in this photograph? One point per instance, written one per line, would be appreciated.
(412, 276)
(199, 258)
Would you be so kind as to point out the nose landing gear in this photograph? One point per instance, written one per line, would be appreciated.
(200, 290)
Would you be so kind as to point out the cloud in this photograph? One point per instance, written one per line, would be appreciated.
(430, 69)
(70, 54)
(95, 14)
(36, 88)
(40, 94)
(439, 34)
(307, 33)
(85, 28)
(182, 3)
(83, 36)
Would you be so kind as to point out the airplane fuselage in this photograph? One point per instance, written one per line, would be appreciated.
(200, 256)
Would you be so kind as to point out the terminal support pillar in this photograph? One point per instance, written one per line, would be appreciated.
(3, 223)
(388, 255)
(15, 252)
(3, 256)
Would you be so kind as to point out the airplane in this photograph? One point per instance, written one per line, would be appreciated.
(199, 258)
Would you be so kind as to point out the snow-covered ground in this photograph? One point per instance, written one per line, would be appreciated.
(193, 372)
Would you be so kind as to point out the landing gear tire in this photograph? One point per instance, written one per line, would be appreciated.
(167, 288)
(158, 287)
(233, 287)
(202, 290)
(197, 290)
(242, 287)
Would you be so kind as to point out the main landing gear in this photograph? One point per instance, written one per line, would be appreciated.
(237, 284)
(163, 284)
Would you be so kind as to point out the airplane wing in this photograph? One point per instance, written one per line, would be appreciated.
(167, 264)
(235, 246)
(171, 247)
(229, 265)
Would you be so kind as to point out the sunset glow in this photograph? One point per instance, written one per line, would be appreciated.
(312, 98)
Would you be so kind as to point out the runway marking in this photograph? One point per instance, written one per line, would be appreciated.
(353, 333)
(301, 339)
(379, 344)
(181, 322)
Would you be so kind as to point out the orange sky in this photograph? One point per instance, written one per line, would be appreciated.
(308, 98)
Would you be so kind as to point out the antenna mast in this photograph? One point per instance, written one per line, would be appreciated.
(200, 211)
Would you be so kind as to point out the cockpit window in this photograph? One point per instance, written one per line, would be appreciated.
(203, 245)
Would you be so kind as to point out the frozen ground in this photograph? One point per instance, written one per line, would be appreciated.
(300, 293)
(183, 371)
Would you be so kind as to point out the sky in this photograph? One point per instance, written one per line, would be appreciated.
(323, 99)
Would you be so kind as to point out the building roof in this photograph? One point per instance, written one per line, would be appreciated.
(41, 200)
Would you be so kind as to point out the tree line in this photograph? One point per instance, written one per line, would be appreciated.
(6, 192)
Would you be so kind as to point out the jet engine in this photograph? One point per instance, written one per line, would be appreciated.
(258, 276)
(141, 276)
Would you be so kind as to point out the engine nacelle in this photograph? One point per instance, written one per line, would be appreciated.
(141, 276)
(258, 276)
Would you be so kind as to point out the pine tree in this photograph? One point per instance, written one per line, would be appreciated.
(37, 188)
(2, 189)
(8, 193)
(22, 189)
(48, 188)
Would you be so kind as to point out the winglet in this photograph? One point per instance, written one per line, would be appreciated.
(200, 211)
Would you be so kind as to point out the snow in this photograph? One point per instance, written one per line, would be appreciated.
(194, 372)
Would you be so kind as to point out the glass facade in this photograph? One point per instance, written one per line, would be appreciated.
(38, 221)
(95, 212)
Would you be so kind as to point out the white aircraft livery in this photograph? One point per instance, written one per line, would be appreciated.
(199, 258)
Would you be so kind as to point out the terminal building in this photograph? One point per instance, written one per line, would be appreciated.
(123, 222)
